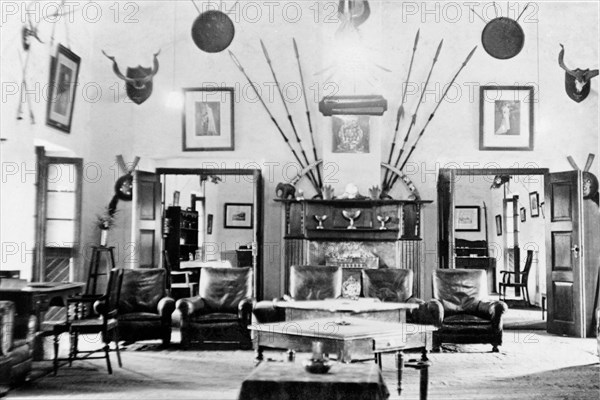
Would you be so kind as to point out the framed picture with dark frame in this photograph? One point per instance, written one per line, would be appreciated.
(523, 214)
(239, 215)
(208, 119)
(506, 118)
(499, 225)
(466, 219)
(534, 204)
(64, 72)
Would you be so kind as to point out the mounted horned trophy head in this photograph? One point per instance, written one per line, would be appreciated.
(138, 80)
(577, 81)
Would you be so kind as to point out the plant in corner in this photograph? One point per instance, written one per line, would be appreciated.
(105, 221)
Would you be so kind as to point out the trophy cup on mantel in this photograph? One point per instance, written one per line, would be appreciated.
(351, 215)
(383, 219)
(320, 219)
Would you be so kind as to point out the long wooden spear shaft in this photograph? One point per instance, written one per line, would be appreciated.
(400, 113)
(436, 107)
(413, 121)
(239, 65)
(289, 116)
(310, 129)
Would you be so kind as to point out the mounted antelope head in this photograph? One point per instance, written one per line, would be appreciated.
(577, 81)
(138, 80)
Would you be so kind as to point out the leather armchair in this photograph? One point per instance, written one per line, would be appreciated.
(223, 309)
(16, 347)
(307, 282)
(396, 285)
(468, 316)
(144, 310)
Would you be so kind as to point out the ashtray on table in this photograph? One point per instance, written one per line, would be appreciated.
(317, 366)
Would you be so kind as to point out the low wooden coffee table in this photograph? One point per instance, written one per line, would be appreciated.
(349, 338)
(338, 308)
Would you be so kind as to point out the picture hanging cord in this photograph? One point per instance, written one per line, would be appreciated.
(480, 17)
(496, 11)
(519, 17)
(221, 5)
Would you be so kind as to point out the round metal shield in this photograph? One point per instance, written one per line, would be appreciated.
(503, 38)
(590, 185)
(124, 187)
(213, 31)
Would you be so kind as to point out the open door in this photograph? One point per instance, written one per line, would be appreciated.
(565, 273)
(146, 220)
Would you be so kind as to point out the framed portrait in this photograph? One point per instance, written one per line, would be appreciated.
(208, 119)
(64, 72)
(499, 225)
(466, 219)
(351, 133)
(523, 214)
(534, 204)
(506, 118)
(238, 215)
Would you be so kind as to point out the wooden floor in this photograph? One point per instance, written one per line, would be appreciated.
(530, 365)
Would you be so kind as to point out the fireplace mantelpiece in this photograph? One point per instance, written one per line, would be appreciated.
(397, 246)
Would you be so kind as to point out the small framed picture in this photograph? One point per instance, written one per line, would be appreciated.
(466, 219)
(64, 70)
(523, 214)
(506, 118)
(534, 204)
(238, 215)
(499, 225)
(208, 119)
(209, 224)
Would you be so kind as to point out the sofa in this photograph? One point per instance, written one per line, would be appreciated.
(316, 282)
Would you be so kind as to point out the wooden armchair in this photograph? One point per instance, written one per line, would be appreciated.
(522, 281)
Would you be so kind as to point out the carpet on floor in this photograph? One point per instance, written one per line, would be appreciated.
(530, 365)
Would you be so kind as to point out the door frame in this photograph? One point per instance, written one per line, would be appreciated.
(258, 222)
(446, 193)
(41, 203)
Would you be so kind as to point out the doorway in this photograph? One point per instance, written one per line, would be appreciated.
(486, 220)
(221, 213)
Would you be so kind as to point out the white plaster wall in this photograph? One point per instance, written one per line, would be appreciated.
(110, 127)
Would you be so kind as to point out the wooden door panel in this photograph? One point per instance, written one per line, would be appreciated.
(146, 224)
(565, 272)
(147, 249)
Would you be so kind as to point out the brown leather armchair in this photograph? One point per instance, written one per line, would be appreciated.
(468, 317)
(307, 282)
(144, 306)
(396, 285)
(16, 347)
(223, 309)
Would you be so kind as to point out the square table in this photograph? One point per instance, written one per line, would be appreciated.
(350, 339)
(367, 308)
(280, 381)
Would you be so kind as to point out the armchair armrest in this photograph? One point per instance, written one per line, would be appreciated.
(493, 311)
(165, 307)
(266, 312)
(245, 311)
(191, 305)
(429, 312)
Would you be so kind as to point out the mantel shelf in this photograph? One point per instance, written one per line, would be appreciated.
(355, 202)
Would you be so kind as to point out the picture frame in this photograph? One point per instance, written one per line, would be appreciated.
(506, 118)
(208, 119)
(209, 224)
(467, 219)
(523, 214)
(64, 73)
(534, 204)
(499, 225)
(238, 216)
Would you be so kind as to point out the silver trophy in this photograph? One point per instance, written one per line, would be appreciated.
(383, 219)
(320, 219)
(351, 215)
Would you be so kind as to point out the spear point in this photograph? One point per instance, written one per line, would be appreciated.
(416, 39)
(437, 53)
(235, 60)
(295, 48)
(265, 51)
(470, 55)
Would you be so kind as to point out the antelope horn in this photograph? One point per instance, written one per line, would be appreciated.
(591, 74)
(141, 82)
(117, 71)
(561, 61)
